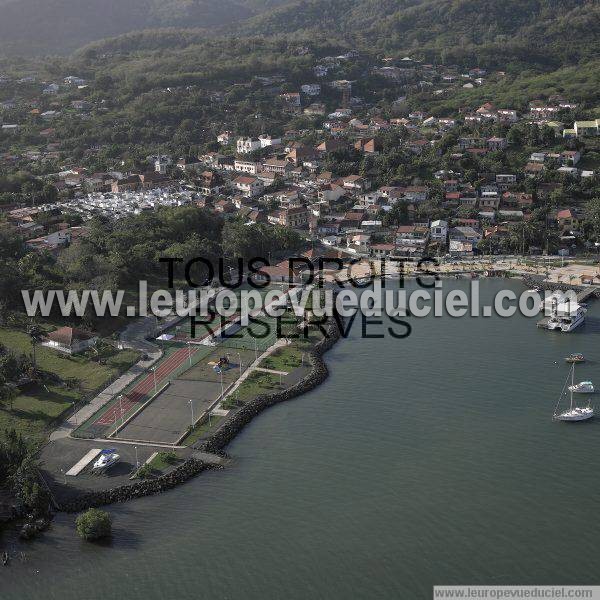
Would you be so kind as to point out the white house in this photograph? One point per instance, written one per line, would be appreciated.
(225, 138)
(70, 340)
(247, 145)
(438, 231)
(330, 192)
(246, 166)
(249, 187)
(267, 140)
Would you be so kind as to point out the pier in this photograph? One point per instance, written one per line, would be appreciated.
(583, 294)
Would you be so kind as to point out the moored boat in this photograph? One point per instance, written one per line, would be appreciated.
(583, 387)
(107, 459)
(573, 413)
(575, 358)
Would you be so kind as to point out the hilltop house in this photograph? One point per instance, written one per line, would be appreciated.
(70, 340)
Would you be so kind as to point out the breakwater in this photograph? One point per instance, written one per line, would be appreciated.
(190, 468)
(319, 372)
(216, 442)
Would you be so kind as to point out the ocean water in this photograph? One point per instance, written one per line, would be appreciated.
(422, 461)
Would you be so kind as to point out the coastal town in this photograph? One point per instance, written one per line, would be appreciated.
(484, 190)
(369, 180)
(299, 299)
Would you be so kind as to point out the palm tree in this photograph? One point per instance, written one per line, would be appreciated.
(36, 334)
(8, 393)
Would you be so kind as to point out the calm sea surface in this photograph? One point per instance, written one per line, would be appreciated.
(429, 460)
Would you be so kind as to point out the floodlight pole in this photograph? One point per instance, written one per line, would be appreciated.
(121, 409)
(191, 403)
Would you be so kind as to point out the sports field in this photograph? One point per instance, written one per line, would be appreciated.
(205, 326)
(168, 416)
(191, 368)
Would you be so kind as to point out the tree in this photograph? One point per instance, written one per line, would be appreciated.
(36, 334)
(8, 393)
(94, 524)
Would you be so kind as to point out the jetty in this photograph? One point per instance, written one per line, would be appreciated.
(584, 293)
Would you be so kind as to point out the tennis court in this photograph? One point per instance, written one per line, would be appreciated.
(169, 415)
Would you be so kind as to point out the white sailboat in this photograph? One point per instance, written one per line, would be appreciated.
(574, 413)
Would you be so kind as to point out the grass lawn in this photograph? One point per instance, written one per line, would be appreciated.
(201, 430)
(37, 406)
(35, 409)
(159, 465)
(258, 383)
(284, 359)
(164, 461)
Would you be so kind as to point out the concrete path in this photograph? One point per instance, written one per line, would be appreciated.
(273, 371)
(280, 343)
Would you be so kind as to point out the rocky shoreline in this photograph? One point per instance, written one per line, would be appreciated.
(217, 441)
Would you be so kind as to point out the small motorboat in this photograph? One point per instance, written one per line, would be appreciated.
(107, 459)
(583, 387)
(575, 358)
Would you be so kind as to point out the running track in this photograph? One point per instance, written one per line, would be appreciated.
(140, 391)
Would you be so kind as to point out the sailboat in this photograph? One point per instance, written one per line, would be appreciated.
(574, 413)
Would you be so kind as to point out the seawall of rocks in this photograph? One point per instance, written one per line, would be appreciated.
(217, 441)
(185, 471)
(319, 372)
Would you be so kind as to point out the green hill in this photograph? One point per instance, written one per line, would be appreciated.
(58, 26)
(544, 32)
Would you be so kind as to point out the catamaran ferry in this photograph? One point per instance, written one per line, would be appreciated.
(565, 314)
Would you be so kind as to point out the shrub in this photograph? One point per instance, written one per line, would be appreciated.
(94, 524)
(145, 472)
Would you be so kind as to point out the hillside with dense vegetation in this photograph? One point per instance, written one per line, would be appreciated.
(543, 32)
(56, 26)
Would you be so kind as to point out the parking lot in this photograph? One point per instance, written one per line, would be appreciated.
(57, 458)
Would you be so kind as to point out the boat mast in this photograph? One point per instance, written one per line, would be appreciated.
(562, 393)
(572, 383)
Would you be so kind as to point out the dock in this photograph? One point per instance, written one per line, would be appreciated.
(587, 293)
(583, 294)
